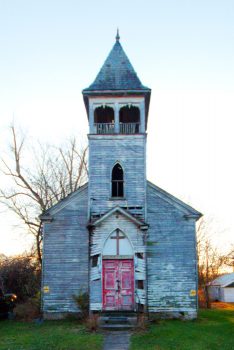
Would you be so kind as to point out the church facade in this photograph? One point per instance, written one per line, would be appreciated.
(128, 243)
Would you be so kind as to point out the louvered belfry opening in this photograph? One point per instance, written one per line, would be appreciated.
(104, 120)
(117, 181)
(129, 118)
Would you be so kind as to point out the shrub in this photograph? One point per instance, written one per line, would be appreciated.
(82, 301)
(20, 275)
(28, 311)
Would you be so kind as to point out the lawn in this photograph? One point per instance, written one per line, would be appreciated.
(50, 335)
(214, 330)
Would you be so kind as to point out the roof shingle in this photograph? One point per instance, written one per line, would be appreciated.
(117, 73)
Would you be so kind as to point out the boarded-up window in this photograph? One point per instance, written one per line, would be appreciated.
(95, 260)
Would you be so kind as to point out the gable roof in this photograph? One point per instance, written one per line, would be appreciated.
(224, 280)
(122, 211)
(188, 211)
(63, 203)
(117, 73)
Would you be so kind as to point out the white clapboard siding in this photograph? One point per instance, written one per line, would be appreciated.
(140, 276)
(141, 296)
(95, 306)
(171, 257)
(140, 265)
(95, 273)
(129, 151)
(65, 255)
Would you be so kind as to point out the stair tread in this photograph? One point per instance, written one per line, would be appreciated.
(116, 326)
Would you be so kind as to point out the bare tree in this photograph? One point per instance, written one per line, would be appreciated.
(211, 261)
(39, 177)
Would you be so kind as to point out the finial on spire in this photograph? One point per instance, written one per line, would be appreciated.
(117, 35)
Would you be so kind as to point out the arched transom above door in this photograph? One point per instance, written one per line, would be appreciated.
(117, 244)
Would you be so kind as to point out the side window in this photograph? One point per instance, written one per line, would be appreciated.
(117, 181)
(95, 260)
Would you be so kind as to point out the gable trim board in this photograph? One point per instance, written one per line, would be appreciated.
(189, 212)
(119, 210)
(62, 203)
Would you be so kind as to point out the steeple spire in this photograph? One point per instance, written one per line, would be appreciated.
(117, 35)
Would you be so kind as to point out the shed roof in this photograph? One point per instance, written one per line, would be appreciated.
(224, 280)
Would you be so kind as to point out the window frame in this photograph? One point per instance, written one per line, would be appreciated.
(117, 182)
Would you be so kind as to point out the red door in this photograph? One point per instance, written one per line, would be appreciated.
(118, 285)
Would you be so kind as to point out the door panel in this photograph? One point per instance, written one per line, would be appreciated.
(118, 284)
(110, 280)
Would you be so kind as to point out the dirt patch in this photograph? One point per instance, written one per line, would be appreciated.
(221, 305)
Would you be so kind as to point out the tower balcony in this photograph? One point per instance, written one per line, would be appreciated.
(117, 118)
(109, 128)
(104, 128)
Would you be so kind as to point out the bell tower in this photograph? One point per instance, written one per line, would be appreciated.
(117, 107)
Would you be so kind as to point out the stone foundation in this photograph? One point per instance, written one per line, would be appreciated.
(60, 315)
(182, 315)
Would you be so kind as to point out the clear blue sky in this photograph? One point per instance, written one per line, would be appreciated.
(183, 50)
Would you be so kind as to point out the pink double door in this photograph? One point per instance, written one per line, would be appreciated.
(118, 284)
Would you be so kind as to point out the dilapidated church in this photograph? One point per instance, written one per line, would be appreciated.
(127, 242)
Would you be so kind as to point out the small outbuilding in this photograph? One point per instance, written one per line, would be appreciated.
(222, 288)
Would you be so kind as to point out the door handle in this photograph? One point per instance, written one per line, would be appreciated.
(118, 285)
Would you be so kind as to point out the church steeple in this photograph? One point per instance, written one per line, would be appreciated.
(117, 107)
(117, 77)
(117, 73)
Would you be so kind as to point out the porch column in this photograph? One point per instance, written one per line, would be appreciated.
(116, 118)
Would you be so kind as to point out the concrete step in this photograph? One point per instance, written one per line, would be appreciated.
(117, 327)
(118, 321)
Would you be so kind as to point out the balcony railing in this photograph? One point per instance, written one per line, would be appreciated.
(129, 128)
(105, 128)
(124, 128)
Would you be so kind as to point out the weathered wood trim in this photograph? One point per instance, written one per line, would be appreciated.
(183, 207)
(117, 257)
(123, 212)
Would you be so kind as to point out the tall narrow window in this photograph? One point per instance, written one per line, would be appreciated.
(117, 181)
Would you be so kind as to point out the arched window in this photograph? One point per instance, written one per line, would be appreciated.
(117, 179)
(117, 244)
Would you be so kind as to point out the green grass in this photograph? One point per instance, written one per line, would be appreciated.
(50, 335)
(213, 330)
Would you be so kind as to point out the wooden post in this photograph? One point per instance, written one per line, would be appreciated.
(116, 118)
(142, 117)
(91, 119)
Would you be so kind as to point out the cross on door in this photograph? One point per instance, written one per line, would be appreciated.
(117, 237)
